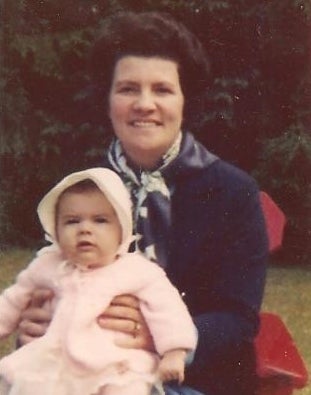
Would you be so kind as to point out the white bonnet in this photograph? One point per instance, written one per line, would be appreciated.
(112, 187)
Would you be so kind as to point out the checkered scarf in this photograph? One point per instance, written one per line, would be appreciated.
(151, 191)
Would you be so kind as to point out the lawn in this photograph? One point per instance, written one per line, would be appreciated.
(288, 293)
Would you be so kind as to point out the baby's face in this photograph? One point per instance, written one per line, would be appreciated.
(87, 227)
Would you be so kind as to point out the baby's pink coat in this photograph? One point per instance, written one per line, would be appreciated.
(74, 335)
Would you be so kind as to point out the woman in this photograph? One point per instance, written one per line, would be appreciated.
(196, 215)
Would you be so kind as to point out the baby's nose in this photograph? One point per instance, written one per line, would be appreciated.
(84, 227)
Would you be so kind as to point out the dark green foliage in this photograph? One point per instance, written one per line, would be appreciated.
(284, 169)
(255, 112)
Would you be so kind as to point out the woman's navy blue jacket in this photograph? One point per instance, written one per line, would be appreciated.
(217, 259)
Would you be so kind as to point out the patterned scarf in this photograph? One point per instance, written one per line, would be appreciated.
(151, 191)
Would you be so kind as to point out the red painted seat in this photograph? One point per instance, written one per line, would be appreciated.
(275, 221)
(280, 368)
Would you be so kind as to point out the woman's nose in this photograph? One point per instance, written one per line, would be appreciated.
(144, 102)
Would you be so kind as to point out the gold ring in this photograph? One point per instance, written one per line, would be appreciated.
(136, 329)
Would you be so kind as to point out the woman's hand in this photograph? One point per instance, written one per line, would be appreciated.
(124, 315)
(36, 318)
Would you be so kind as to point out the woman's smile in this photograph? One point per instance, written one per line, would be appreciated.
(144, 124)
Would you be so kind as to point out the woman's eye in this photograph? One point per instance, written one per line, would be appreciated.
(127, 89)
(163, 90)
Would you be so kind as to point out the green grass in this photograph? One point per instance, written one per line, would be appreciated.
(288, 293)
(11, 263)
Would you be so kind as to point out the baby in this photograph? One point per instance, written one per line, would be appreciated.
(88, 217)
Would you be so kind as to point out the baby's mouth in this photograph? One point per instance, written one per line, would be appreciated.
(85, 244)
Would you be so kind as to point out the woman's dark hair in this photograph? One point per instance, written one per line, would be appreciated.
(150, 34)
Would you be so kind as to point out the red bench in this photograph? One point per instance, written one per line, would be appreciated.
(280, 368)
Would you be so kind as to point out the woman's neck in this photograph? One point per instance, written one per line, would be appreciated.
(152, 159)
(143, 162)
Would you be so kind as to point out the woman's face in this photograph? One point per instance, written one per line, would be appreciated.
(146, 107)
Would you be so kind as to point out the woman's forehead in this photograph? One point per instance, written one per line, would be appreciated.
(134, 66)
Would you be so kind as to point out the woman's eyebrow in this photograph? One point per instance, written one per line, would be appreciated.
(165, 83)
(125, 81)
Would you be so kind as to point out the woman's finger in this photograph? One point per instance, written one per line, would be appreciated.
(140, 339)
(35, 315)
(29, 330)
(124, 307)
(118, 324)
(126, 300)
(40, 297)
(124, 315)
(138, 331)
(33, 329)
(122, 312)
(35, 320)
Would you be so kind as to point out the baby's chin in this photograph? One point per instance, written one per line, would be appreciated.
(85, 262)
(88, 265)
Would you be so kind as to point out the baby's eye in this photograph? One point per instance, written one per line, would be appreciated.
(101, 220)
(71, 221)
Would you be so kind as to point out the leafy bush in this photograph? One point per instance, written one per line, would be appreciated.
(284, 169)
(255, 112)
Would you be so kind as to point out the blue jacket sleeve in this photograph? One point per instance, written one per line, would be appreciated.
(239, 280)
